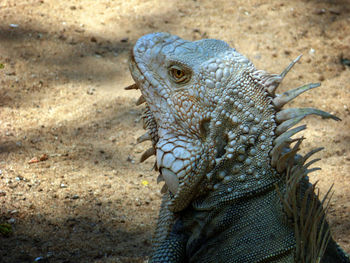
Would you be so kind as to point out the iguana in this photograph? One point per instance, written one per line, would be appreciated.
(236, 187)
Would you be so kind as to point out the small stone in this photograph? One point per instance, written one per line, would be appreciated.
(130, 159)
(63, 186)
(320, 11)
(11, 221)
(90, 91)
(312, 51)
(74, 197)
(98, 54)
(38, 259)
(334, 12)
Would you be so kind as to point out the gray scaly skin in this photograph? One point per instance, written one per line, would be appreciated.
(236, 188)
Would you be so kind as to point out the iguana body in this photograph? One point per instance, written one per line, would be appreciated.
(236, 189)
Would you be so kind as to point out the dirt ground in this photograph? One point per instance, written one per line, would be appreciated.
(71, 185)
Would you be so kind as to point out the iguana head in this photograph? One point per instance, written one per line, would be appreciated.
(212, 116)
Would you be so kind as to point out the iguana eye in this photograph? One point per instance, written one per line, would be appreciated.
(178, 74)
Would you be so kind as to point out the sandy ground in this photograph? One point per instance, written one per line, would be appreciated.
(62, 100)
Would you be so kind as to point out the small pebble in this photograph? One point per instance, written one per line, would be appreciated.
(90, 91)
(130, 159)
(11, 221)
(38, 259)
(320, 11)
